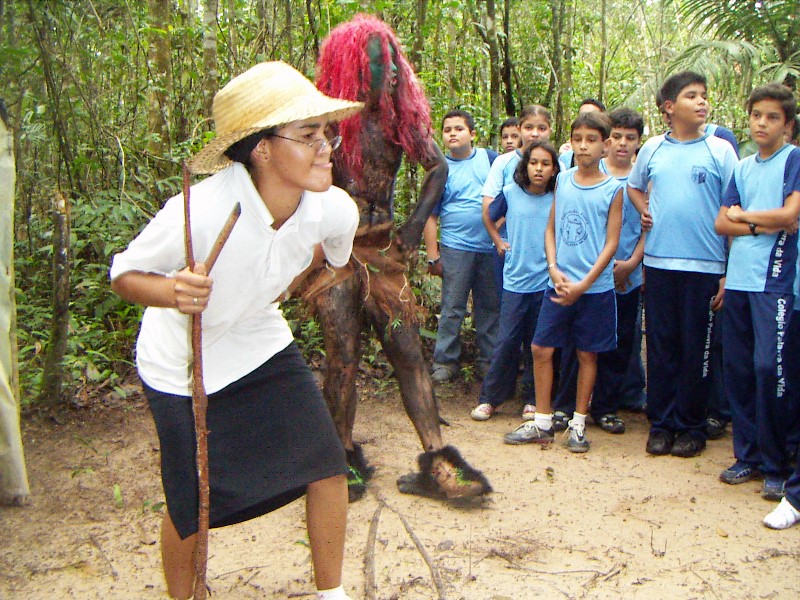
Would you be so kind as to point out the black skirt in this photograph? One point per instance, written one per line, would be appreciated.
(270, 435)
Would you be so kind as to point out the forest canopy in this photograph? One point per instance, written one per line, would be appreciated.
(106, 98)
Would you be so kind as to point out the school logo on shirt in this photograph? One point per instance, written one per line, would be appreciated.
(573, 228)
(699, 174)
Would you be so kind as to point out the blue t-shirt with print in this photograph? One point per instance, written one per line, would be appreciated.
(525, 266)
(460, 208)
(581, 226)
(688, 181)
(766, 262)
(629, 234)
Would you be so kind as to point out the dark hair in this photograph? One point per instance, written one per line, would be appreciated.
(521, 172)
(593, 102)
(627, 118)
(509, 122)
(779, 93)
(535, 110)
(457, 112)
(795, 128)
(674, 84)
(240, 151)
(593, 120)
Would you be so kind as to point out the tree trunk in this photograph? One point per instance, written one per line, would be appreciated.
(419, 39)
(601, 92)
(211, 75)
(160, 76)
(53, 372)
(312, 25)
(488, 32)
(13, 477)
(511, 108)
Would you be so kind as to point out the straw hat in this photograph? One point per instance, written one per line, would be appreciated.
(267, 95)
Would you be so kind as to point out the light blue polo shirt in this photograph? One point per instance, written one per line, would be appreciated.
(688, 181)
(766, 262)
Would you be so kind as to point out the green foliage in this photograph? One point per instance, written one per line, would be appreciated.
(80, 80)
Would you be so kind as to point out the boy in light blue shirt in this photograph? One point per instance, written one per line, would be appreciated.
(760, 213)
(686, 172)
(464, 257)
(579, 305)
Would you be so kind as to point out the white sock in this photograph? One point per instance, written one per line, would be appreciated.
(543, 420)
(784, 516)
(333, 594)
(578, 419)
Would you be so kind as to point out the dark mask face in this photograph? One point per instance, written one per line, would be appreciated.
(377, 67)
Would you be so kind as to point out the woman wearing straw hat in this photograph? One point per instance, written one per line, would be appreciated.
(271, 438)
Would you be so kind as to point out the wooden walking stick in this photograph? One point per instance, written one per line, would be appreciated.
(199, 398)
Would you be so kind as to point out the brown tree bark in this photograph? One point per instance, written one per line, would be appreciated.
(160, 77)
(53, 375)
(487, 29)
(210, 70)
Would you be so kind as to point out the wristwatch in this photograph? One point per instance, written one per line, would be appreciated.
(434, 262)
(752, 228)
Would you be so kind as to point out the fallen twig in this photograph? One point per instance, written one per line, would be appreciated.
(96, 544)
(370, 586)
(435, 575)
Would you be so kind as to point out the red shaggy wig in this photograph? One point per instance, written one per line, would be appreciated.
(343, 71)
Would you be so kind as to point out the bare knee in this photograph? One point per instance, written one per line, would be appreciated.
(541, 354)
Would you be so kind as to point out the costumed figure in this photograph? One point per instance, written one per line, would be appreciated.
(362, 60)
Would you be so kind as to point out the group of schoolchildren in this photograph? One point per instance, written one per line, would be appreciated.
(552, 248)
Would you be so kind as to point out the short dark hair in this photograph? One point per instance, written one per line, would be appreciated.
(627, 118)
(593, 120)
(521, 172)
(240, 151)
(509, 122)
(593, 102)
(457, 112)
(673, 85)
(535, 110)
(779, 93)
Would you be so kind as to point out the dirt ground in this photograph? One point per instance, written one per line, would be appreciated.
(613, 523)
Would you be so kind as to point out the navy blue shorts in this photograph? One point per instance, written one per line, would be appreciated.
(590, 323)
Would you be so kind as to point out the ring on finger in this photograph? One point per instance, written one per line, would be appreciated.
(194, 300)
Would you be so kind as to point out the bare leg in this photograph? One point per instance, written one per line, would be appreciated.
(404, 351)
(326, 518)
(587, 371)
(177, 557)
(542, 377)
(341, 322)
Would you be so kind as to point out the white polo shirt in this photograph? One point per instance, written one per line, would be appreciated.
(242, 326)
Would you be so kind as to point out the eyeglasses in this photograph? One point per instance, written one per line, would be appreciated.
(317, 145)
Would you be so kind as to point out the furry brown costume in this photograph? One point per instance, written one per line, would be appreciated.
(362, 59)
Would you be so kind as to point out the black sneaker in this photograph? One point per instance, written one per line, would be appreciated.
(715, 428)
(686, 445)
(611, 424)
(773, 488)
(660, 443)
(739, 472)
(560, 421)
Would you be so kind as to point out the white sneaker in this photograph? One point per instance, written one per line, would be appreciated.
(529, 412)
(784, 516)
(482, 412)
